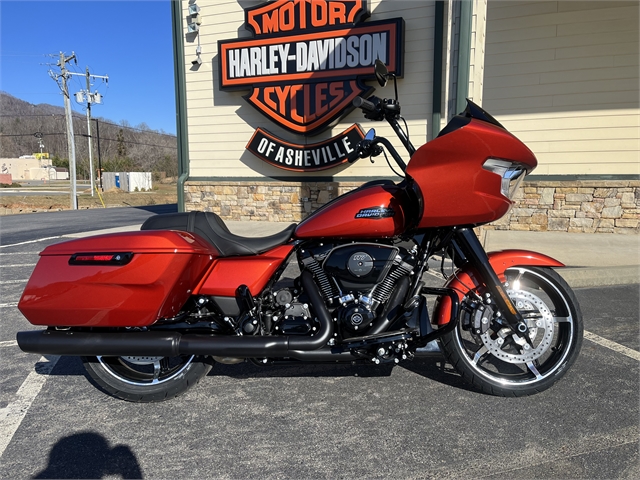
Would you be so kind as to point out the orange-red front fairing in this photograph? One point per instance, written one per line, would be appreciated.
(455, 188)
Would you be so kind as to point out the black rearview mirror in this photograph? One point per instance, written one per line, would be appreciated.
(382, 74)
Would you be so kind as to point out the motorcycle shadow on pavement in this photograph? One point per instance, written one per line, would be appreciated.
(431, 368)
(68, 366)
(89, 455)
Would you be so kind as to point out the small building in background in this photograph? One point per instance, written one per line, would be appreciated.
(60, 173)
(127, 181)
(32, 167)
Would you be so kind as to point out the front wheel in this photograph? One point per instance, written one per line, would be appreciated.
(145, 378)
(489, 355)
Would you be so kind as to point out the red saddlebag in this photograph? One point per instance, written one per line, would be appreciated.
(118, 280)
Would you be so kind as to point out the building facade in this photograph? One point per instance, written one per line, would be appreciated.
(264, 92)
(30, 167)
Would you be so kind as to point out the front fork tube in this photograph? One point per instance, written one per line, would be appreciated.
(472, 249)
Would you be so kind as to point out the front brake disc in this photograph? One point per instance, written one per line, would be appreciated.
(541, 330)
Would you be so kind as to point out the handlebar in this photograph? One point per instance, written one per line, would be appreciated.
(363, 104)
(384, 109)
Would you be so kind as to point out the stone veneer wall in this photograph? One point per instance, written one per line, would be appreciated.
(605, 206)
(263, 201)
(581, 206)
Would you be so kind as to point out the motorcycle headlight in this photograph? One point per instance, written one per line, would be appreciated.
(511, 173)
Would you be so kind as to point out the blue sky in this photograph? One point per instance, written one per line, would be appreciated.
(126, 40)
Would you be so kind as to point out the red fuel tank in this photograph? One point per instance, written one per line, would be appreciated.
(374, 211)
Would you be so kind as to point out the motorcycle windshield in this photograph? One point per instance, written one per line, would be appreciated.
(472, 110)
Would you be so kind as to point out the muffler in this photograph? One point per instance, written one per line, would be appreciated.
(171, 344)
(161, 344)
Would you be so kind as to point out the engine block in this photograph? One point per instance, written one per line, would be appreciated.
(356, 279)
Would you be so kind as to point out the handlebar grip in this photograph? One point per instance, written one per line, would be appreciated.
(363, 104)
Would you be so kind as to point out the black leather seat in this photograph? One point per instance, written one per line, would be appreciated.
(212, 228)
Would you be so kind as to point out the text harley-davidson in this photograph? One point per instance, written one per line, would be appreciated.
(150, 312)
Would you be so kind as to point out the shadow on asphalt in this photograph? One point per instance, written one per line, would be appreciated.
(89, 455)
(435, 369)
(159, 209)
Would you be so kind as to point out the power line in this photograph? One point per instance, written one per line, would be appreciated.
(138, 129)
(131, 142)
(80, 115)
(32, 115)
(91, 136)
(27, 134)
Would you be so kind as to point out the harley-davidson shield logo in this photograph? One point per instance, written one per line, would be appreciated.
(307, 59)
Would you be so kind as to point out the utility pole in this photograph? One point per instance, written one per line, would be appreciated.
(99, 156)
(92, 174)
(94, 97)
(64, 73)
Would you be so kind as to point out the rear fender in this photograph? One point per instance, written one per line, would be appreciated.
(467, 279)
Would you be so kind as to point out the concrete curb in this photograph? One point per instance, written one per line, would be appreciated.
(578, 277)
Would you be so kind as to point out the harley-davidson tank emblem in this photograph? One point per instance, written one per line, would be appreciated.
(375, 212)
(307, 58)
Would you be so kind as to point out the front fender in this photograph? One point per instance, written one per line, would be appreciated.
(467, 279)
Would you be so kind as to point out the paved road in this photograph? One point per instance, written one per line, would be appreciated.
(416, 420)
(30, 193)
(38, 187)
(28, 227)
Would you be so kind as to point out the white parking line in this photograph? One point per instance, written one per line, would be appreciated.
(616, 347)
(19, 265)
(19, 253)
(8, 282)
(8, 305)
(9, 343)
(12, 415)
(30, 241)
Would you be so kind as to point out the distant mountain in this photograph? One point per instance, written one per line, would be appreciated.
(14, 106)
(25, 128)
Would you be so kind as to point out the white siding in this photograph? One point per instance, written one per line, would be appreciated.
(478, 39)
(221, 123)
(563, 77)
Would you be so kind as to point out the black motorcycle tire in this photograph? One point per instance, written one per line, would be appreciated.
(476, 357)
(143, 383)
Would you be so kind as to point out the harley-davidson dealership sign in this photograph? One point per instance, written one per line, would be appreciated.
(304, 66)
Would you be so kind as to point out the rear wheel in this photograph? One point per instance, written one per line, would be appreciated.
(145, 378)
(490, 356)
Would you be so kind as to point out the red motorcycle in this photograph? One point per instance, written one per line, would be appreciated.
(150, 312)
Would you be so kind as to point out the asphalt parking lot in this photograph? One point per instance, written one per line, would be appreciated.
(416, 420)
